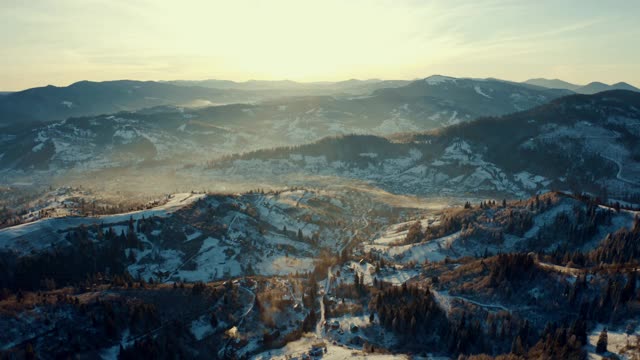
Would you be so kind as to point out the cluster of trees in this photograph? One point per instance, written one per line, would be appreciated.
(409, 310)
(414, 235)
(518, 222)
(71, 265)
(485, 204)
(490, 221)
(73, 206)
(557, 342)
(314, 239)
(621, 247)
(448, 225)
(345, 148)
(570, 230)
(631, 198)
(89, 325)
(510, 269)
(172, 342)
(10, 217)
(609, 302)
(415, 315)
(507, 219)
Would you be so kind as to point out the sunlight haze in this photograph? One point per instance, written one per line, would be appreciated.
(319, 180)
(61, 42)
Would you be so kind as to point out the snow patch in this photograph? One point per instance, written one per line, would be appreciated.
(478, 90)
(201, 328)
(37, 147)
(438, 79)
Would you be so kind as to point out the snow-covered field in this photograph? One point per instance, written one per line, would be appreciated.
(211, 263)
(334, 352)
(432, 250)
(201, 327)
(283, 265)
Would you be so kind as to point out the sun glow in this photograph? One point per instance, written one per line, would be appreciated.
(307, 40)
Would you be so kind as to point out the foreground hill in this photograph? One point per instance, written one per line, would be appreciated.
(580, 142)
(337, 272)
(194, 237)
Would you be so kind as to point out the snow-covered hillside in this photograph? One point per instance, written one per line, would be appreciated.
(458, 169)
(48, 233)
(197, 237)
(581, 141)
(481, 231)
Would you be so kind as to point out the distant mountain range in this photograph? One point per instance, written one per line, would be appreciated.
(87, 98)
(51, 103)
(591, 88)
(174, 134)
(475, 97)
(586, 142)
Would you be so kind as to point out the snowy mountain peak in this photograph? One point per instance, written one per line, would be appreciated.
(438, 79)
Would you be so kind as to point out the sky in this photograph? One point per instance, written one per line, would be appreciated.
(59, 42)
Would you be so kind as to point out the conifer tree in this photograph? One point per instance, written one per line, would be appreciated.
(601, 346)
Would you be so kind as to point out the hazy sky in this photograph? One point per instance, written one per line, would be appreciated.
(62, 41)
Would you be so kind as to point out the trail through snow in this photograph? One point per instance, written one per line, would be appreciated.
(619, 174)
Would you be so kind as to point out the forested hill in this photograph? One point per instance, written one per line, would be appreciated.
(588, 142)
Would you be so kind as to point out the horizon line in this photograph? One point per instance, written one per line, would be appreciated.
(316, 81)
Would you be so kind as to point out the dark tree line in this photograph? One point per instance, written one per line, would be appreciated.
(415, 315)
(73, 264)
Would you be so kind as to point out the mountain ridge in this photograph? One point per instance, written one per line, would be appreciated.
(169, 132)
(590, 88)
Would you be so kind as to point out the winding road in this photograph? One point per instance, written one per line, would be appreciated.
(322, 310)
(619, 174)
